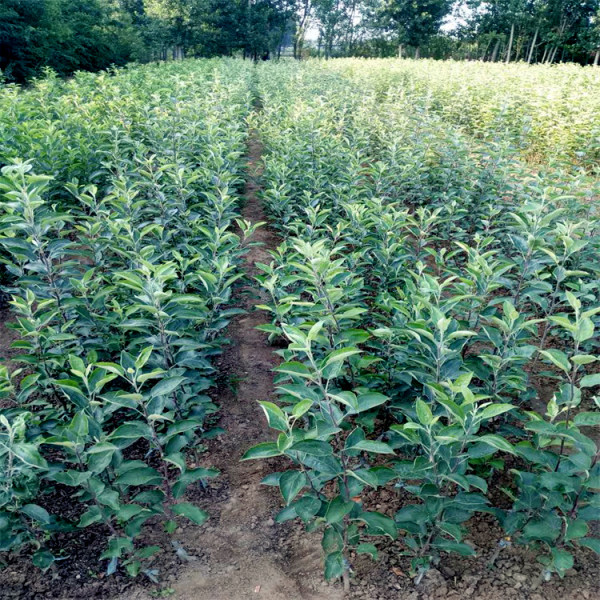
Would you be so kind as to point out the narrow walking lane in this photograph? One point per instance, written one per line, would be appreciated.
(240, 552)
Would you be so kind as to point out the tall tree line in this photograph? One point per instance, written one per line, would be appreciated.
(70, 35)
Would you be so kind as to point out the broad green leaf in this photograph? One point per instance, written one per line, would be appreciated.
(496, 441)
(301, 408)
(369, 549)
(590, 381)
(313, 447)
(275, 416)
(373, 446)
(337, 509)
(371, 400)
(589, 419)
(493, 410)
(591, 543)
(339, 355)
(166, 386)
(191, 512)
(294, 368)
(558, 358)
(379, 524)
(290, 484)
(37, 513)
(576, 529)
(262, 450)
(424, 413)
(139, 476)
(334, 565)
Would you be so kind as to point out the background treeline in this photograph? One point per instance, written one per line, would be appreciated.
(70, 35)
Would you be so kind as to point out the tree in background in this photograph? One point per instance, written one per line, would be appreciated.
(71, 35)
(414, 22)
(65, 35)
(534, 30)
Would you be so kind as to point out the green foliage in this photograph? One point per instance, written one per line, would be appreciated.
(121, 290)
(425, 283)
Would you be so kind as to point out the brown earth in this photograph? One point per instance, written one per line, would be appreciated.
(7, 337)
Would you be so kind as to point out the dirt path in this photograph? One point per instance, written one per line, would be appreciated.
(241, 553)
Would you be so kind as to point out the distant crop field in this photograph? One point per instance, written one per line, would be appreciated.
(380, 277)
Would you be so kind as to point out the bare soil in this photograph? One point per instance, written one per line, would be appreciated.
(7, 337)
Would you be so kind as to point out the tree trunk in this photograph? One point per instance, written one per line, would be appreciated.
(486, 50)
(553, 55)
(418, 53)
(544, 55)
(495, 51)
(510, 43)
(301, 29)
(597, 58)
(530, 56)
(400, 51)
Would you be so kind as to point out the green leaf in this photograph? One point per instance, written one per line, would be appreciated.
(290, 484)
(312, 447)
(497, 442)
(590, 381)
(558, 358)
(193, 513)
(334, 565)
(301, 408)
(370, 400)
(369, 549)
(275, 416)
(71, 477)
(587, 419)
(542, 529)
(262, 450)
(379, 524)
(93, 515)
(424, 413)
(139, 476)
(591, 543)
(585, 330)
(493, 410)
(337, 509)
(37, 513)
(332, 541)
(43, 559)
(340, 355)
(576, 529)
(30, 455)
(294, 368)
(143, 357)
(373, 446)
(166, 386)
(449, 546)
(563, 560)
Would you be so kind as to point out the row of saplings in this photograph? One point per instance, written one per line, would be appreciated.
(118, 318)
(370, 400)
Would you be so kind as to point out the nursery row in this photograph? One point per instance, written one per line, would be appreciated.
(439, 308)
(548, 113)
(120, 253)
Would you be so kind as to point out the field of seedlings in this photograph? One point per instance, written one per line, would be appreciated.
(303, 330)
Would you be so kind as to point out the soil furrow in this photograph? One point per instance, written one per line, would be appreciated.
(241, 553)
